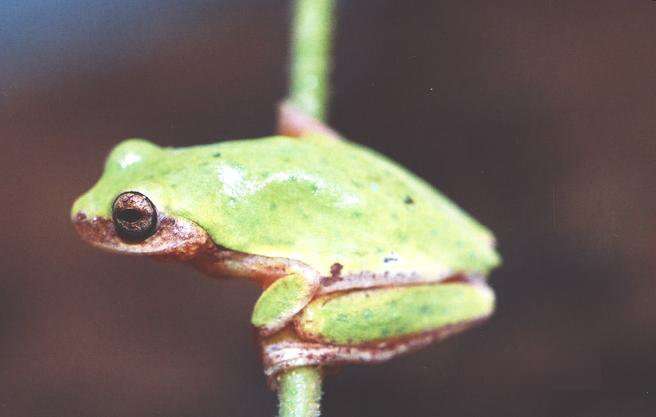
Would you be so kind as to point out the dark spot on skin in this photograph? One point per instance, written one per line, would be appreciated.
(216, 155)
(409, 200)
(425, 309)
(335, 271)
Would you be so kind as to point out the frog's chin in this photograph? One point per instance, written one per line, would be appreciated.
(175, 238)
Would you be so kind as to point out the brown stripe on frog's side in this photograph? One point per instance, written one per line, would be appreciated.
(368, 279)
(182, 240)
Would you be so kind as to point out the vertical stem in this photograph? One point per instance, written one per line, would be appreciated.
(299, 392)
(310, 61)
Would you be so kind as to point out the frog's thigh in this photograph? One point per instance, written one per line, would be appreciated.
(387, 314)
(281, 301)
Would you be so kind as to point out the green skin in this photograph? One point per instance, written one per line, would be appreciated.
(317, 202)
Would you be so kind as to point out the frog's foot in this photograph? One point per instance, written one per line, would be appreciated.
(282, 353)
(296, 123)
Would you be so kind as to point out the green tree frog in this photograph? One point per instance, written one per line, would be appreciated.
(359, 259)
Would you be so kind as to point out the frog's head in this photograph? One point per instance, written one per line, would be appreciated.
(127, 210)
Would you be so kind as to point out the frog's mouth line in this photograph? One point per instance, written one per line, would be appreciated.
(175, 238)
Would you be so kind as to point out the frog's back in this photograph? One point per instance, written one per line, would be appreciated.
(323, 201)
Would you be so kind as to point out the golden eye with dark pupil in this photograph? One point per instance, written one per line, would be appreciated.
(134, 216)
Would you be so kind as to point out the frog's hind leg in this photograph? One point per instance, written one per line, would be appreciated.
(375, 325)
(285, 350)
(295, 123)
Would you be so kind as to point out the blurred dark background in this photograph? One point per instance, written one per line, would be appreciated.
(536, 116)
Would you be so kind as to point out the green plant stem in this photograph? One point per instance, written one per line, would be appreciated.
(299, 393)
(311, 50)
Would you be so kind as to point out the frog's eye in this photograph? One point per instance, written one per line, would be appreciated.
(134, 215)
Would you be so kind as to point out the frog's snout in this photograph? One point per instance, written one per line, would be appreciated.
(172, 237)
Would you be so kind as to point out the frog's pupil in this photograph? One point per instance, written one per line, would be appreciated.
(130, 215)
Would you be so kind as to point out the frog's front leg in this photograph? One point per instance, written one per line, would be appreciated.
(288, 285)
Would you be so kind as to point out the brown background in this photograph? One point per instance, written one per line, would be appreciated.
(536, 116)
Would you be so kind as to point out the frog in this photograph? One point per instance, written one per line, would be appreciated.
(359, 260)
